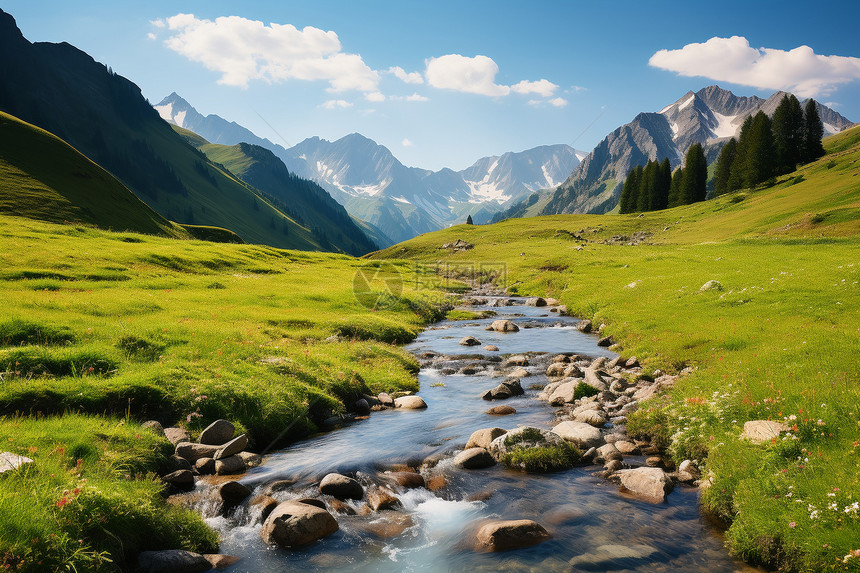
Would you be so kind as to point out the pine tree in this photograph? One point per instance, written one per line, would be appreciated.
(813, 131)
(693, 188)
(739, 165)
(648, 186)
(723, 169)
(760, 153)
(469, 220)
(630, 191)
(788, 134)
(661, 197)
(675, 188)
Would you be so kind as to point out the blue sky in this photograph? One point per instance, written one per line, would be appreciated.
(408, 74)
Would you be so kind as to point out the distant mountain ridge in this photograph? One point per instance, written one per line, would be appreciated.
(710, 116)
(376, 187)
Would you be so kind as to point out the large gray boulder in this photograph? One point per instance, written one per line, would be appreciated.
(294, 524)
(193, 452)
(217, 433)
(514, 534)
(176, 435)
(648, 484)
(10, 461)
(503, 326)
(482, 438)
(172, 561)
(410, 403)
(232, 447)
(583, 435)
(524, 437)
(233, 492)
(469, 341)
(760, 431)
(230, 466)
(341, 487)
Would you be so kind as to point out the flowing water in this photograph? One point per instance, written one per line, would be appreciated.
(593, 526)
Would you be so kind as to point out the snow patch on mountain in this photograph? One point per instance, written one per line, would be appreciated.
(725, 125)
(687, 102)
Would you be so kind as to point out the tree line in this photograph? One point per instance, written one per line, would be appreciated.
(764, 149)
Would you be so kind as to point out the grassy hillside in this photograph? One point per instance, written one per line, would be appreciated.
(101, 331)
(104, 116)
(778, 341)
(43, 177)
(302, 200)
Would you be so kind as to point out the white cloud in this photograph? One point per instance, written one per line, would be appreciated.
(408, 77)
(243, 50)
(471, 75)
(374, 96)
(543, 88)
(801, 70)
(535, 102)
(158, 23)
(417, 97)
(558, 102)
(335, 104)
(406, 143)
(151, 36)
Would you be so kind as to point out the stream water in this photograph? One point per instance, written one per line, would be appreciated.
(593, 526)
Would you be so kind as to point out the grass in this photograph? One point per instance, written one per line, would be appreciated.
(101, 331)
(778, 342)
(529, 452)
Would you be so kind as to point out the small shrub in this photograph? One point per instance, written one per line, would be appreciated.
(817, 218)
(23, 332)
(216, 286)
(543, 459)
(527, 435)
(584, 390)
(737, 198)
(138, 348)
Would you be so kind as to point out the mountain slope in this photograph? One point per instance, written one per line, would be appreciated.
(43, 177)
(710, 117)
(104, 116)
(303, 200)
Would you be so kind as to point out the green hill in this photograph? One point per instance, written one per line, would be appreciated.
(777, 340)
(104, 116)
(43, 177)
(303, 200)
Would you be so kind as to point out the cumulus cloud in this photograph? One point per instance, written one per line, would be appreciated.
(408, 77)
(463, 74)
(801, 70)
(243, 50)
(543, 88)
(417, 97)
(374, 96)
(151, 36)
(558, 102)
(406, 143)
(336, 104)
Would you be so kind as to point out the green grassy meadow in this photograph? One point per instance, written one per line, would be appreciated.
(779, 341)
(101, 331)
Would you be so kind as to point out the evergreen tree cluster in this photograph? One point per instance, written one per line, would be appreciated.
(769, 147)
(655, 186)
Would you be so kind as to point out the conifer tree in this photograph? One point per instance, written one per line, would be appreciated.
(469, 220)
(788, 132)
(738, 170)
(675, 188)
(693, 188)
(723, 169)
(661, 199)
(630, 191)
(648, 186)
(813, 131)
(760, 154)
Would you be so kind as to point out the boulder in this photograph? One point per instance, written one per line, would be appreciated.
(711, 285)
(514, 386)
(612, 466)
(541, 438)
(561, 359)
(760, 431)
(172, 561)
(583, 435)
(469, 341)
(563, 394)
(501, 411)
(483, 438)
(174, 462)
(592, 417)
(382, 499)
(341, 487)
(233, 492)
(614, 558)
(267, 505)
(688, 472)
(606, 341)
(593, 379)
(232, 447)
(536, 301)
(409, 480)
(500, 392)
(607, 453)
(205, 466)
(632, 362)
(503, 326)
(654, 462)
(584, 326)
(474, 459)
(491, 348)
(552, 301)
(176, 435)
(229, 466)
(310, 501)
(251, 459)
(626, 447)
(519, 372)
(180, 478)
(385, 400)
(648, 484)
(556, 369)
(516, 360)
(219, 561)
(505, 535)
(294, 524)
(362, 408)
(217, 433)
(155, 427)
(10, 461)
(410, 403)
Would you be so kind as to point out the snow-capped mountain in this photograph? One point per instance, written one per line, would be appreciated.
(376, 187)
(710, 116)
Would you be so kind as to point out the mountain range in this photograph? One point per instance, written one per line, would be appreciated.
(376, 187)
(710, 116)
